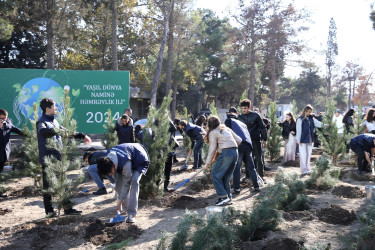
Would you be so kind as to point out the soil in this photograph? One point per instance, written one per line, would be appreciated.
(5, 211)
(188, 202)
(351, 174)
(336, 215)
(29, 191)
(106, 233)
(298, 215)
(348, 192)
(278, 243)
(291, 164)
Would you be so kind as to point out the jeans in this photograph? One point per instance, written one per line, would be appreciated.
(257, 150)
(361, 160)
(245, 155)
(197, 150)
(93, 171)
(223, 171)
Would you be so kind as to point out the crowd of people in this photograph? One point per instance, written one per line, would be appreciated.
(242, 138)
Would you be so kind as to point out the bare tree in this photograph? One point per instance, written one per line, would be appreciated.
(332, 52)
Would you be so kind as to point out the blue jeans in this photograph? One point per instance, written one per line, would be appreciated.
(197, 150)
(223, 171)
(245, 155)
(93, 171)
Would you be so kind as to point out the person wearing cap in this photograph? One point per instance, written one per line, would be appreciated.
(244, 151)
(257, 130)
(362, 146)
(127, 163)
(337, 119)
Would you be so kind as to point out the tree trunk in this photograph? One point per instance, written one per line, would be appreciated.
(114, 36)
(329, 82)
(174, 102)
(50, 9)
(273, 77)
(170, 52)
(251, 93)
(159, 62)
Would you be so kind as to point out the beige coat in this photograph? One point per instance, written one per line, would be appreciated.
(221, 138)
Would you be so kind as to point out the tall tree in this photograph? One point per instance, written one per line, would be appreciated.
(114, 36)
(170, 50)
(50, 10)
(332, 52)
(352, 71)
(363, 92)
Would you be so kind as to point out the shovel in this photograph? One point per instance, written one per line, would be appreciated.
(117, 218)
(186, 181)
(184, 167)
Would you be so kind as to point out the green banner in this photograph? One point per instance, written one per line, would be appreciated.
(92, 94)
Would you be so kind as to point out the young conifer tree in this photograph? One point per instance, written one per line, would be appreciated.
(274, 137)
(358, 120)
(30, 142)
(333, 144)
(158, 148)
(61, 187)
(110, 138)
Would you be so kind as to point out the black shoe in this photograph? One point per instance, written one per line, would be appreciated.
(222, 201)
(3, 196)
(368, 170)
(267, 169)
(235, 190)
(359, 172)
(100, 191)
(72, 211)
(256, 189)
(168, 190)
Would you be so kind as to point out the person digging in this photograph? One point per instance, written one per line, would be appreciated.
(362, 145)
(126, 162)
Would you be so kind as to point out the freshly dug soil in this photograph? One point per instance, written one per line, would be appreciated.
(271, 244)
(298, 215)
(29, 191)
(291, 164)
(187, 202)
(105, 233)
(336, 215)
(5, 211)
(348, 192)
(198, 186)
(351, 174)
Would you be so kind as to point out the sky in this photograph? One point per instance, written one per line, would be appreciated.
(355, 36)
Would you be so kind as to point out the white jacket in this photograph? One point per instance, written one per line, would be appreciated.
(339, 123)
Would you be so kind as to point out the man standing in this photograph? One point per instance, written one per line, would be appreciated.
(125, 130)
(244, 151)
(196, 135)
(48, 127)
(127, 162)
(257, 131)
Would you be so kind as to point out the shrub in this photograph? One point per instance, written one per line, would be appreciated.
(323, 176)
(274, 140)
(110, 138)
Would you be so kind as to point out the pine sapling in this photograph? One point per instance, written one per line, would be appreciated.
(158, 148)
(61, 187)
(110, 137)
(274, 138)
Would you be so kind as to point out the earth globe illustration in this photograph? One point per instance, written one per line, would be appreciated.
(37, 89)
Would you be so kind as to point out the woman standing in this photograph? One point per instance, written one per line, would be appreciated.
(348, 121)
(306, 124)
(225, 142)
(369, 122)
(289, 134)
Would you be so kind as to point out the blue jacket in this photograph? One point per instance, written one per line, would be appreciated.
(308, 128)
(239, 128)
(5, 131)
(95, 156)
(46, 129)
(194, 132)
(365, 142)
(125, 134)
(133, 152)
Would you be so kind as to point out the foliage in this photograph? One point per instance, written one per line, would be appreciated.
(319, 246)
(358, 120)
(364, 237)
(213, 109)
(295, 108)
(323, 176)
(110, 138)
(30, 143)
(274, 138)
(288, 193)
(121, 245)
(158, 148)
(61, 187)
(3, 188)
(333, 144)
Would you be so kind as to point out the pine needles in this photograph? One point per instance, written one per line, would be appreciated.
(323, 176)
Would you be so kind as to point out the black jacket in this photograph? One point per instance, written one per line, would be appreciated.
(125, 134)
(287, 128)
(5, 131)
(255, 125)
(95, 156)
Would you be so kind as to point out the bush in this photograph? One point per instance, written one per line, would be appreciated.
(3, 188)
(110, 139)
(323, 176)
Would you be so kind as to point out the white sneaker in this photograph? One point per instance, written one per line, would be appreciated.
(131, 219)
(222, 201)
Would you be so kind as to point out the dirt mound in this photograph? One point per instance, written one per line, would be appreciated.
(197, 186)
(336, 215)
(298, 215)
(188, 202)
(348, 192)
(291, 164)
(29, 191)
(271, 244)
(105, 233)
(351, 174)
(5, 211)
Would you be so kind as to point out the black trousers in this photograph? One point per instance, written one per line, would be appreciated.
(168, 169)
(361, 160)
(257, 154)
